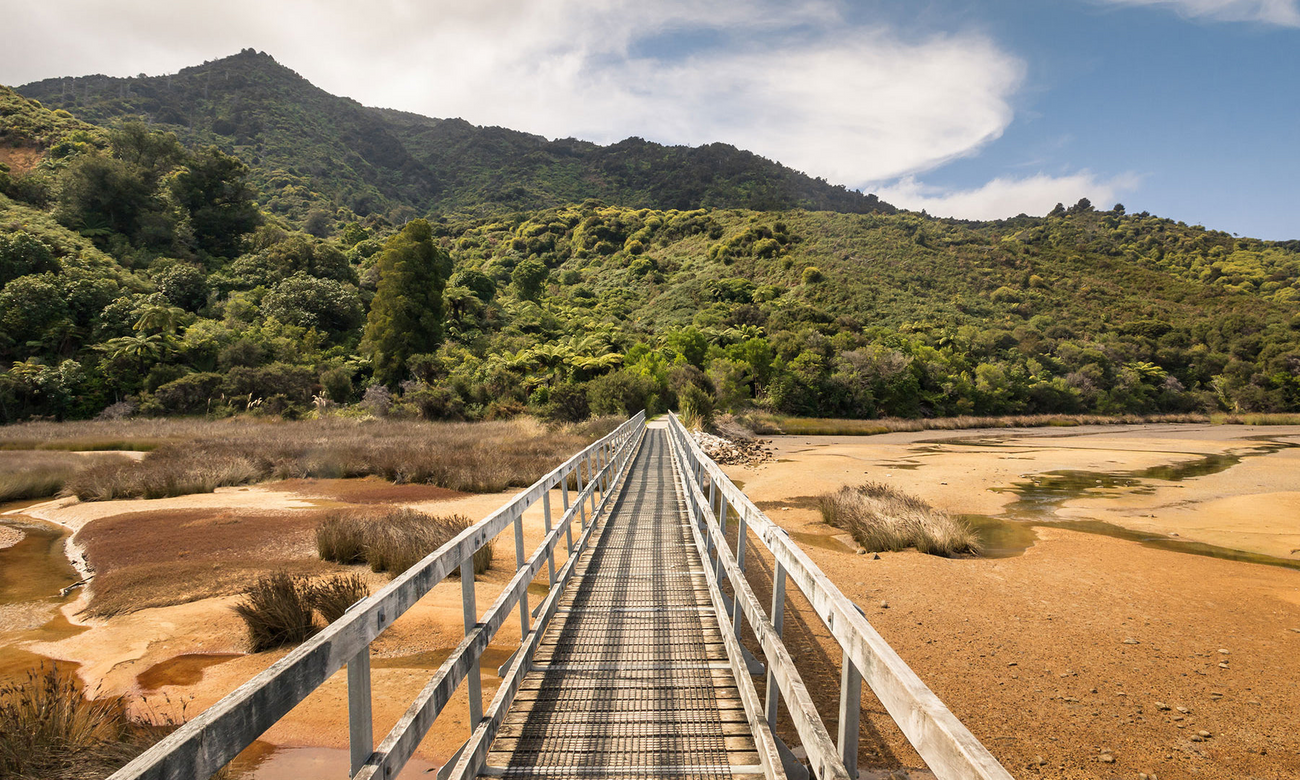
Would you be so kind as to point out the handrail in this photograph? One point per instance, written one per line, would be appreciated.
(205, 744)
(949, 749)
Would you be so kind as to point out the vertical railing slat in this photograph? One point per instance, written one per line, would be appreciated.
(361, 731)
(473, 677)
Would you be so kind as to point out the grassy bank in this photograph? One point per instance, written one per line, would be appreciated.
(28, 475)
(199, 455)
(767, 423)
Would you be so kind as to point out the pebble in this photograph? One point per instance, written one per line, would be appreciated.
(1204, 734)
(1162, 706)
(1131, 641)
(1107, 758)
(884, 605)
(1223, 664)
(1223, 652)
(1184, 710)
(875, 556)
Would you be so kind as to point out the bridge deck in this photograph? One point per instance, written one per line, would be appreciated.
(631, 679)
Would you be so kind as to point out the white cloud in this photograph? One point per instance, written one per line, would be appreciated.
(1285, 13)
(1004, 197)
(792, 81)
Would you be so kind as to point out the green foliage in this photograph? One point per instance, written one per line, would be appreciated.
(406, 316)
(214, 188)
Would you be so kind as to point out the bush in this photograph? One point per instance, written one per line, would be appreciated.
(883, 519)
(812, 275)
(333, 596)
(191, 394)
(278, 611)
(696, 407)
(621, 393)
(567, 403)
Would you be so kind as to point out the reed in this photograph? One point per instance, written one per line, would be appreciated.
(277, 609)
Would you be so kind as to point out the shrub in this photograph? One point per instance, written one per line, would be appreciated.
(882, 519)
(190, 394)
(568, 403)
(333, 596)
(812, 275)
(278, 611)
(696, 407)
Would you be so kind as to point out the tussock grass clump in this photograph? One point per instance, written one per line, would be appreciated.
(333, 596)
(391, 540)
(278, 611)
(168, 471)
(47, 725)
(883, 519)
(51, 730)
(341, 537)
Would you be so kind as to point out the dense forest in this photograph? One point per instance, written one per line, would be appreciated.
(168, 269)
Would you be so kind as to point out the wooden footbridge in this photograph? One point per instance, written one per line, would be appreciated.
(632, 667)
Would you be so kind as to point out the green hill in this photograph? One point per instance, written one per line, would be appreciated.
(312, 150)
(138, 276)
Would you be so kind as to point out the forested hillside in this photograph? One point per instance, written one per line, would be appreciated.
(138, 275)
(313, 153)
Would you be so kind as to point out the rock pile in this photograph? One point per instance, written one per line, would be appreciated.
(728, 452)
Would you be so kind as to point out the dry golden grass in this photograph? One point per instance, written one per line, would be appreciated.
(391, 540)
(27, 474)
(817, 426)
(883, 519)
(333, 596)
(202, 455)
(51, 730)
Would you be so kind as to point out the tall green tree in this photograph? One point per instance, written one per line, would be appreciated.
(407, 312)
(214, 188)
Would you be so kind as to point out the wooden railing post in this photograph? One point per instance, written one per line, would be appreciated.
(546, 520)
(740, 561)
(473, 677)
(850, 711)
(361, 734)
(564, 498)
(519, 564)
(778, 623)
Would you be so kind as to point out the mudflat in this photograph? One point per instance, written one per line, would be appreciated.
(1087, 656)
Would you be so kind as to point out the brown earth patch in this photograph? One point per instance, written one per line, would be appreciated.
(21, 160)
(370, 490)
(154, 559)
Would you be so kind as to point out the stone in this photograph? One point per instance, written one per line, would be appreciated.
(875, 557)
(1106, 758)
(1184, 710)
(1203, 734)
(1131, 641)
(884, 605)
(1223, 665)
(1223, 652)
(1162, 706)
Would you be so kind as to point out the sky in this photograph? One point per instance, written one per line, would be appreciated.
(978, 109)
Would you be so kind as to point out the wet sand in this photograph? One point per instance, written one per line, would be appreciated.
(1070, 649)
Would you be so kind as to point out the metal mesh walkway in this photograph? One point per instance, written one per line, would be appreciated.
(631, 680)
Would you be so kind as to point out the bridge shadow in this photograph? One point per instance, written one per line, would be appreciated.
(817, 657)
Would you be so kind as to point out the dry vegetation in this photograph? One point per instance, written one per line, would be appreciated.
(391, 540)
(201, 455)
(27, 475)
(51, 730)
(765, 423)
(280, 608)
(883, 519)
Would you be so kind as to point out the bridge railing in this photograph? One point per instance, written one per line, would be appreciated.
(948, 747)
(205, 744)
